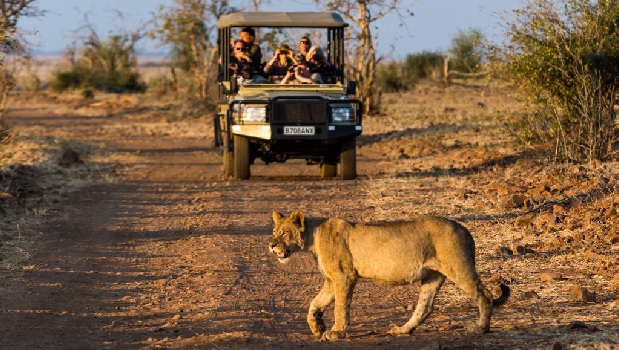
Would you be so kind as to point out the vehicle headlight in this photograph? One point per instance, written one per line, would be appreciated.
(251, 113)
(342, 114)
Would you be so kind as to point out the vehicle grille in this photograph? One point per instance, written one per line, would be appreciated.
(300, 111)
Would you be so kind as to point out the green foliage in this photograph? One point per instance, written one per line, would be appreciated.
(423, 65)
(12, 44)
(467, 51)
(390, 78)
(404, 76)
(188, 27)
(563, 55)
(107, 66)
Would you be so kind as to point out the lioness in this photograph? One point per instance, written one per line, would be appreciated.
(428, 249)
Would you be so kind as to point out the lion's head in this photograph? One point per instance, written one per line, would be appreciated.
(287, 235)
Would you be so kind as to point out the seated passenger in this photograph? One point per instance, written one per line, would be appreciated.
(298, 74)
(309, 70)
(277, 68)
(240, 62)
(254, 53)
(320, 70)
(304, 46)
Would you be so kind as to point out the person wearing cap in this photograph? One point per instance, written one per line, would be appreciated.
(248, 36)
(277, 68)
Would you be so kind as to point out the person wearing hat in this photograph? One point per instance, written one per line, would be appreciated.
(248, 35)
(277, 68)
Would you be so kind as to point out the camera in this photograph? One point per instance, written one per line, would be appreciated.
(291, 68)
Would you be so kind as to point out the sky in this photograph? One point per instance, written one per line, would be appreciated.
(432, 27)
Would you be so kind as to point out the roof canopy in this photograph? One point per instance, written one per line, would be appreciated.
(281, 19)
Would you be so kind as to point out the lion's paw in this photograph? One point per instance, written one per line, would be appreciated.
(477, 329)
(334, 335)
(316, 324)
(398, 331)
(317, 330)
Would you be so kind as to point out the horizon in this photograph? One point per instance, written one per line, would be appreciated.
(431, 29)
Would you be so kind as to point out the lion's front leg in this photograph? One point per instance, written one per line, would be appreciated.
(317, 307)
(343, 289)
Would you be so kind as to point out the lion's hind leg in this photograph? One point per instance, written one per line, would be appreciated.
(314, 317)
(471, 284)
(430, 285)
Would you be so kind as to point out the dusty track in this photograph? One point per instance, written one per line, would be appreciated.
(168, 254)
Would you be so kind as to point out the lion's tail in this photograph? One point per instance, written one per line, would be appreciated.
(505, 292)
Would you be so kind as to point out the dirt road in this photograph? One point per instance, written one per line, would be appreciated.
(162, 252)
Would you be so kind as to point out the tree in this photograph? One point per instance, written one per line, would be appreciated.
(563, 55)
(363, 13)
(467, 51)
(188, 26)
(12, 44)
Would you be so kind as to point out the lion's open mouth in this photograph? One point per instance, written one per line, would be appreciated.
(283, 256)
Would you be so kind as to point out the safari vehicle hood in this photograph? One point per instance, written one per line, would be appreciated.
(267, 91)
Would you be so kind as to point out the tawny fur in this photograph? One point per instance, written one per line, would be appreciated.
(427, 249)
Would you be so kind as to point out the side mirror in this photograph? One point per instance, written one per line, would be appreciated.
(351, 88)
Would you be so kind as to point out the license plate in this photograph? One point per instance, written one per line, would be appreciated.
(299, 130)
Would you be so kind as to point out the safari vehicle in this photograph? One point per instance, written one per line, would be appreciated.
(278, 122)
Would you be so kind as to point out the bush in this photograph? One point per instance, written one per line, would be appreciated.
(404, 76)
(563, 55)
(467, 51)
(108, 66)
(423, 65)
(391, 79)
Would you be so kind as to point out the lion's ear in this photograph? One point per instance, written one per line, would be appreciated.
(277, 217)
(298, 218)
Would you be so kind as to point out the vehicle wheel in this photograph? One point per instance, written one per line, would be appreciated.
(348, 159)
(328, 171)
(216, 131)
(228, 156)
(241, 157)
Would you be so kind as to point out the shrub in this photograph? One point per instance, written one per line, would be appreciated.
(563, 55)
(404, 76)
(423, 65)
(467, 51)
(107, 66)
(390, 77)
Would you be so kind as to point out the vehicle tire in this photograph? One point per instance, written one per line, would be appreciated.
(328, 171)
(217, 131)
(241, 157)
(348, 159)
(228, 156)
